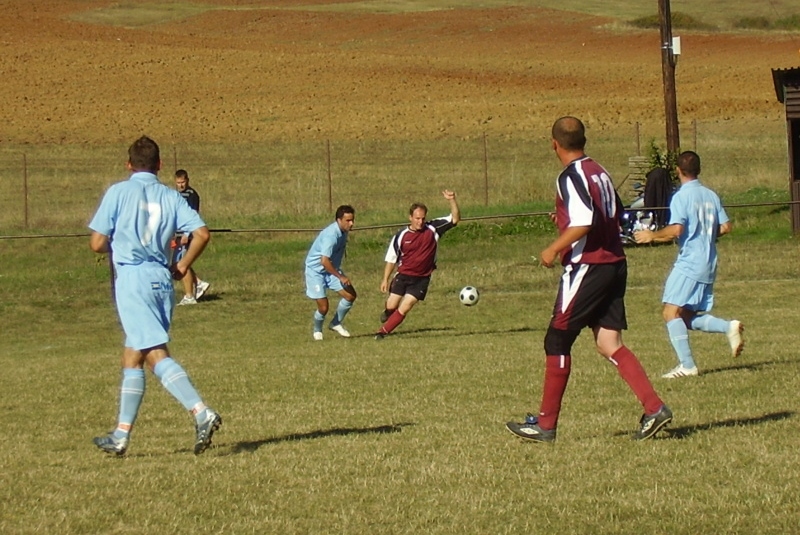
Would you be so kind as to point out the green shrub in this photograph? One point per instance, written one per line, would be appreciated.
(753, 23)
(679, 20)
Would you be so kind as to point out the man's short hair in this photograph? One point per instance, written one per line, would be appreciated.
(344, 209)
(181, 173)
(689, 163)
(570, 133)
(417, 205)
(144, 155)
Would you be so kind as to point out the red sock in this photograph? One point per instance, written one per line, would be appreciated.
(631, 371)
(391, 324)
(556, 375)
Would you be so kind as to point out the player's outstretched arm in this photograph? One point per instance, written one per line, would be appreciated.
(455, 212)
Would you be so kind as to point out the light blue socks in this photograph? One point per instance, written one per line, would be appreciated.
(177, 383)
(341, 311)
(679, 337)
(130, 398)
(318, 320)
(710, 324)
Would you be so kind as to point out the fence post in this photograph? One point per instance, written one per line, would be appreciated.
(638, 143)
(485, 171)
(694, 135)
(330, 180)
(25, 187)
(174, 159)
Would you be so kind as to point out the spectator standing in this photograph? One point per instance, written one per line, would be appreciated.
(193, 287)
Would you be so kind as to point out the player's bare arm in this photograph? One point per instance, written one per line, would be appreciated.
(455, 212)
(564, 240)
(98, 242)
(200, 238)
(725, 228)
(666, 234)
(387, 273)
(330, 268)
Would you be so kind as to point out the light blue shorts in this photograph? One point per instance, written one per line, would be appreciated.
(688, 294)
(317, 283)
(145, 299)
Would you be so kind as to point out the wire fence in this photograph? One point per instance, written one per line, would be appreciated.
(55, 189)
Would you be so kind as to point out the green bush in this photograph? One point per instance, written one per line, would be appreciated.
(679, 20)
(753, 23)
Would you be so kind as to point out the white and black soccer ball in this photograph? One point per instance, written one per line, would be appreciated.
(469, 296)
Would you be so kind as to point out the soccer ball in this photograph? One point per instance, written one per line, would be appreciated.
(469, 296)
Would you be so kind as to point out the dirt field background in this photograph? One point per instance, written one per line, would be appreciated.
(266, 74)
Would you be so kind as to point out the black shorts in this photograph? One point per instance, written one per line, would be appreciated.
(591, 295)
(407, 284)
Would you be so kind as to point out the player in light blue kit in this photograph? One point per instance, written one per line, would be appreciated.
(323, 272)
(697, 220)
(137, 219)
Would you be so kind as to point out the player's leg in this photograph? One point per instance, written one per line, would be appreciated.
(705, 322)
(348, 296)
(316, 287)
(177, 382)
(412, 290)
(680, 296)
(131, 390)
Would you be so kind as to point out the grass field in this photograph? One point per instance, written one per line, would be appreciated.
(403, 436)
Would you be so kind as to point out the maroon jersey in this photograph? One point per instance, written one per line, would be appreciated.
(586, 197)
(414, 252)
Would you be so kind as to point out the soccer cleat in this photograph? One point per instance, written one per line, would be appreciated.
(339, 328)
(385, 316)
(112, 444)
(379, 336)
(649, 425)
(205, 431)
(680, 371)
(317, 336)
(187, 300)
(201, 288)
(735, 337)
(530, 430)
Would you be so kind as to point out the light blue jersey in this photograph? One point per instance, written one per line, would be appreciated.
(330, 242)
(700, 212)
(140, 216)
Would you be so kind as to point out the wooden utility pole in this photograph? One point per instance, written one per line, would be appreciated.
(668, 71)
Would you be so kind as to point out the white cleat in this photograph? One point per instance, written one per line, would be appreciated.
(340, 329)
(187, 300)
(680, 371)
(317, 336)
(735, 337)
(201, 288)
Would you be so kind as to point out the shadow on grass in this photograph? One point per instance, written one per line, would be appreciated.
(688, 430)
(251, 446)
(412, 333)
(752, 366)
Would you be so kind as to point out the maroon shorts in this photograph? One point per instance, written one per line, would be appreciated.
(591, 295)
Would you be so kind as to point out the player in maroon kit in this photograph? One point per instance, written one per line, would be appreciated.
(413, 252)
(592, 290)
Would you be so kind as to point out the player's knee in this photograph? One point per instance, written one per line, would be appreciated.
(558, 342)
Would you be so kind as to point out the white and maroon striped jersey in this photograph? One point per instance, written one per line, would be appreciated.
(414, 252)
(586, 197)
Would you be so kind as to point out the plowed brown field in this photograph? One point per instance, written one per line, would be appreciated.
(263, 74)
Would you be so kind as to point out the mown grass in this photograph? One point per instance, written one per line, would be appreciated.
(403, 436)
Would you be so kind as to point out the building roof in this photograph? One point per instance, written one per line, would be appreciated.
(785, 78)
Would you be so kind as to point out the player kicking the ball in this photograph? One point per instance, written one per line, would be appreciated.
(413, 252)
